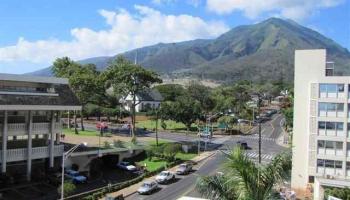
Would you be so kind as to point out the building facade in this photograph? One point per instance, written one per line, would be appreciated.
(321, 132)
(30, 121)
(148, 99)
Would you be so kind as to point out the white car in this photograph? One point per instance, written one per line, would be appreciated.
(164, 177)
(148, 187)
(126, 166)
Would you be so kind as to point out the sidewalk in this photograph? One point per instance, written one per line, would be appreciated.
(133, 188)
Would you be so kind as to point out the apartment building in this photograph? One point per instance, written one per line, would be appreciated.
(321, 133)
(30, 125)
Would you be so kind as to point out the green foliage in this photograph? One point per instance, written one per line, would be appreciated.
(342, 193)
(229, 120)
(118, 144)
(68, 188)
(288, 114)
(106, 145)
(202, 94)
(170, 92)
(170, 150)
(127, 78)
(243, 179)
(185, 110)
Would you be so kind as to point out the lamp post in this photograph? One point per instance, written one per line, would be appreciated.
(64, 157)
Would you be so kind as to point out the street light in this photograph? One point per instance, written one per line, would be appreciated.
(64, 157)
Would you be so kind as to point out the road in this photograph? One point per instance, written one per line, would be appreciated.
(185, 185)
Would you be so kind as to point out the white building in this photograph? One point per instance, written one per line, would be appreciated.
(321, 133)
(146, 99)
(30, 126)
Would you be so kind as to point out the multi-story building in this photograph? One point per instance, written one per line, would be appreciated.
(30, 128)
(321, 132)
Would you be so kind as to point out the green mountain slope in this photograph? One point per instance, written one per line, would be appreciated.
(258, 52)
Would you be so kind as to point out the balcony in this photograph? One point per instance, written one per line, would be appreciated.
(38, 128)
(37, 153)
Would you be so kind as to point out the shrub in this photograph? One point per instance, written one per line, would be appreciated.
(170, 151)
(68, 188)
(118, 144)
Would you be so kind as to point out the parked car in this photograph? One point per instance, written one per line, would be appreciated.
(205, 135)
(126, 166)
(148, 187)
(75, 176)
(243, 145)
(165, 176)
(184, 168)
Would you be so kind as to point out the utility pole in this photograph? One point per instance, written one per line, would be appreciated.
(157, 127)
(259, 99)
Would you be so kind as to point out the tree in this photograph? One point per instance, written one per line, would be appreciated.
(288, 114)
(202, 94)
(127, 78)
(83, 79)
(342, 193)
(170, 92)
(185, 110)
(244, 180)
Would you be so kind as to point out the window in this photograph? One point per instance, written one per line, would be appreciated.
(321, 125)
(329, 145)
(340, 126)
(331, 90)
(320, 163)
(338, 164)
(339, 145)
(331, 109)
(320, 144)
(329, 163)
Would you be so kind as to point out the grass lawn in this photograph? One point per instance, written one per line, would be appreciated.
(185, 156)
(82, 133)
(160, 142)
(170, 125)
(154, 164)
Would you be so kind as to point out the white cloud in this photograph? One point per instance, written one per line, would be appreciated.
(160, 2)
(125, 31)
(294, 9)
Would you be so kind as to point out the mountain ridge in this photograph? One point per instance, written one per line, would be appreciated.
(237, 54)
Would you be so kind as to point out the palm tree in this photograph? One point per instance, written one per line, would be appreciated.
(244, 180)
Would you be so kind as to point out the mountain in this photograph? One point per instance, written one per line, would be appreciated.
(258, 52)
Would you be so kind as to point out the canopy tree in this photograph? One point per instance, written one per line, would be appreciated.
(83, 79)
(126, 79)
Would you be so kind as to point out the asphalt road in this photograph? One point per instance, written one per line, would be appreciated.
(185, 185)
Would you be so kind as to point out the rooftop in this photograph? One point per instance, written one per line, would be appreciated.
(33, 79)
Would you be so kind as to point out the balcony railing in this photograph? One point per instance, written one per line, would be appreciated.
(38, 128)
(37, 153)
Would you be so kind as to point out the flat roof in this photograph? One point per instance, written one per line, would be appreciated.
(33, 79)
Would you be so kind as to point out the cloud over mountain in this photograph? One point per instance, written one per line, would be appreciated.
(126, 30)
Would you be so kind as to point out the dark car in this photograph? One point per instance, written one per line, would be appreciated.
(243, 145)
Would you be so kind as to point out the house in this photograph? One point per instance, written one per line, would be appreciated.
(150, 98)
(30, 122)
(321, 131)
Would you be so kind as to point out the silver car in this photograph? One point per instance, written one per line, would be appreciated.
(148, 187)
(185, 168)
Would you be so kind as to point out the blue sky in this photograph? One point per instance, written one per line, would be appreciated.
(34, 33)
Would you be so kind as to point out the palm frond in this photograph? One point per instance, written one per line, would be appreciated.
(216, 187)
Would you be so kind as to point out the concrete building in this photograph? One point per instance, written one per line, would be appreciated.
(30, 125)
(150, 98)
(321, 133)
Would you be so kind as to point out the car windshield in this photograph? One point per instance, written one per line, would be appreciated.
(125, 163)
(164, 174)
(183, 166)
(146, 185)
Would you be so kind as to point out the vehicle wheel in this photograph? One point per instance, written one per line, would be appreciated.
(173, 177)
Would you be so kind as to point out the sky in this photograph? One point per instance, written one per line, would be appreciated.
(34, 33)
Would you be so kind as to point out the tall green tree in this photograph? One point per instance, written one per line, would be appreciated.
(127, 78)
(244, 180)
(202, 94)
(185, 110)
(84, 81)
